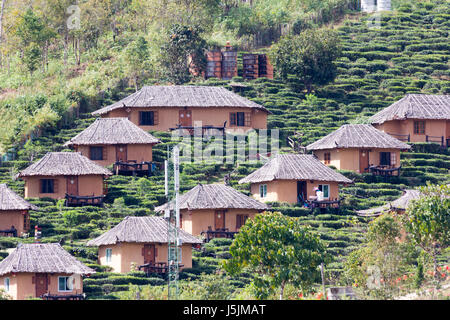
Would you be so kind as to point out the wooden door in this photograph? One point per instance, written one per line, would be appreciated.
(363, 160)
(219, 219)
(301, 192)
(72, 185)
(41, 283)
(149, 253)
(185, 118)
(121, 153)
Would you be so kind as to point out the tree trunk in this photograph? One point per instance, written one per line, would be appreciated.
(282, 290)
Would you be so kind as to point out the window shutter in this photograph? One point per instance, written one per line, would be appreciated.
(155, 118)
(232, 119)
(248, 119)
(55, 185)
(140, 118)
(143, 251)
(105, 152)
(238, 221)
(33, 280)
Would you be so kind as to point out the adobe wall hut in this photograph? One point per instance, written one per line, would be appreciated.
(34, 270)
(14, 213)
(59, 174)
(140, 241)
(292, 178)
(215, 210)
(162, 108)
(111, 140)
(417, 118)
(358, 147)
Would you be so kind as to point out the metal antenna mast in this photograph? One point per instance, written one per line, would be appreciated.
(172, 216)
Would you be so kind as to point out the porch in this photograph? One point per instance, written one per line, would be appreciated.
(206, 130)
(384, 171)
(133, 168)
(156, 267)
(48, 296)
(218, 233)
(324, 204)
(9, 233)
(438, 139)
(77, 201)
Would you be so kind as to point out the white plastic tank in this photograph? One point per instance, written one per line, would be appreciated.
(384, 5)
(368, 6)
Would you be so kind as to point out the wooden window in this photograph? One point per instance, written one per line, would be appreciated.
(325, 188)
(327, 157)
(240, 220)
(65, 284)
(240, 119)
(393, 158)
(232, 119)
(385, 158)
(6, 284)
(108, 253)
(248, 119)
(96, 153)
(419, 127)
(263, 190)
(48, 186)
(146, 118)
(26, 221)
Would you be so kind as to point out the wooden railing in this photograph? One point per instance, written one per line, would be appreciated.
(323, 204)
(73, 200)
(436, 139)
(386, 171)
(191, 129)
(401, 137)
(9, 232)
(156, 267)
(218, 233)
(48, 296)
(132, 167)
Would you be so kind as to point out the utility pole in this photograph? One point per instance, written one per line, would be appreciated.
(172, 215)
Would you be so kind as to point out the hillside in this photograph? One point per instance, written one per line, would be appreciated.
(408, 54)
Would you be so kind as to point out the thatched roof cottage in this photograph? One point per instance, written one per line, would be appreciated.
(214, 208)
(293, 178)
(34, 270)
(14, 212)
(417, 118)
(111, 140)
(399, 205)
(357, 147)
(162, 108)
(139, 241)
(59, 174)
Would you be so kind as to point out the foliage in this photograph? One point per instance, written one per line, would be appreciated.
(279, 250)
(428, 220)
(181, 42)
(308, 56)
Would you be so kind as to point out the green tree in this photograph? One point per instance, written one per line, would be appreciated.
(374, 267)
(428, 220)
(181, 42)
(136, 55)
(308, 56)
(279, 250)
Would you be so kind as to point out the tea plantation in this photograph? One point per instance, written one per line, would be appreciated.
(408, 53)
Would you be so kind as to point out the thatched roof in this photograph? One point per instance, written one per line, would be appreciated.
(42, 258)
(64, 164)
(399, 204)
(140, 230)
(357, 136)
(214, 196)
(9, 200)
(112, 131)
(181, 96)
(294, 167)
(415, 106)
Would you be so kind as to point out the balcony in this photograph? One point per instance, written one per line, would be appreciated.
(206, 130)
(133, 168)
(156, 267)
(323, 204)
(438, 139)
(79, 201)
(384, 170)
(9, 232)
(401, 137)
